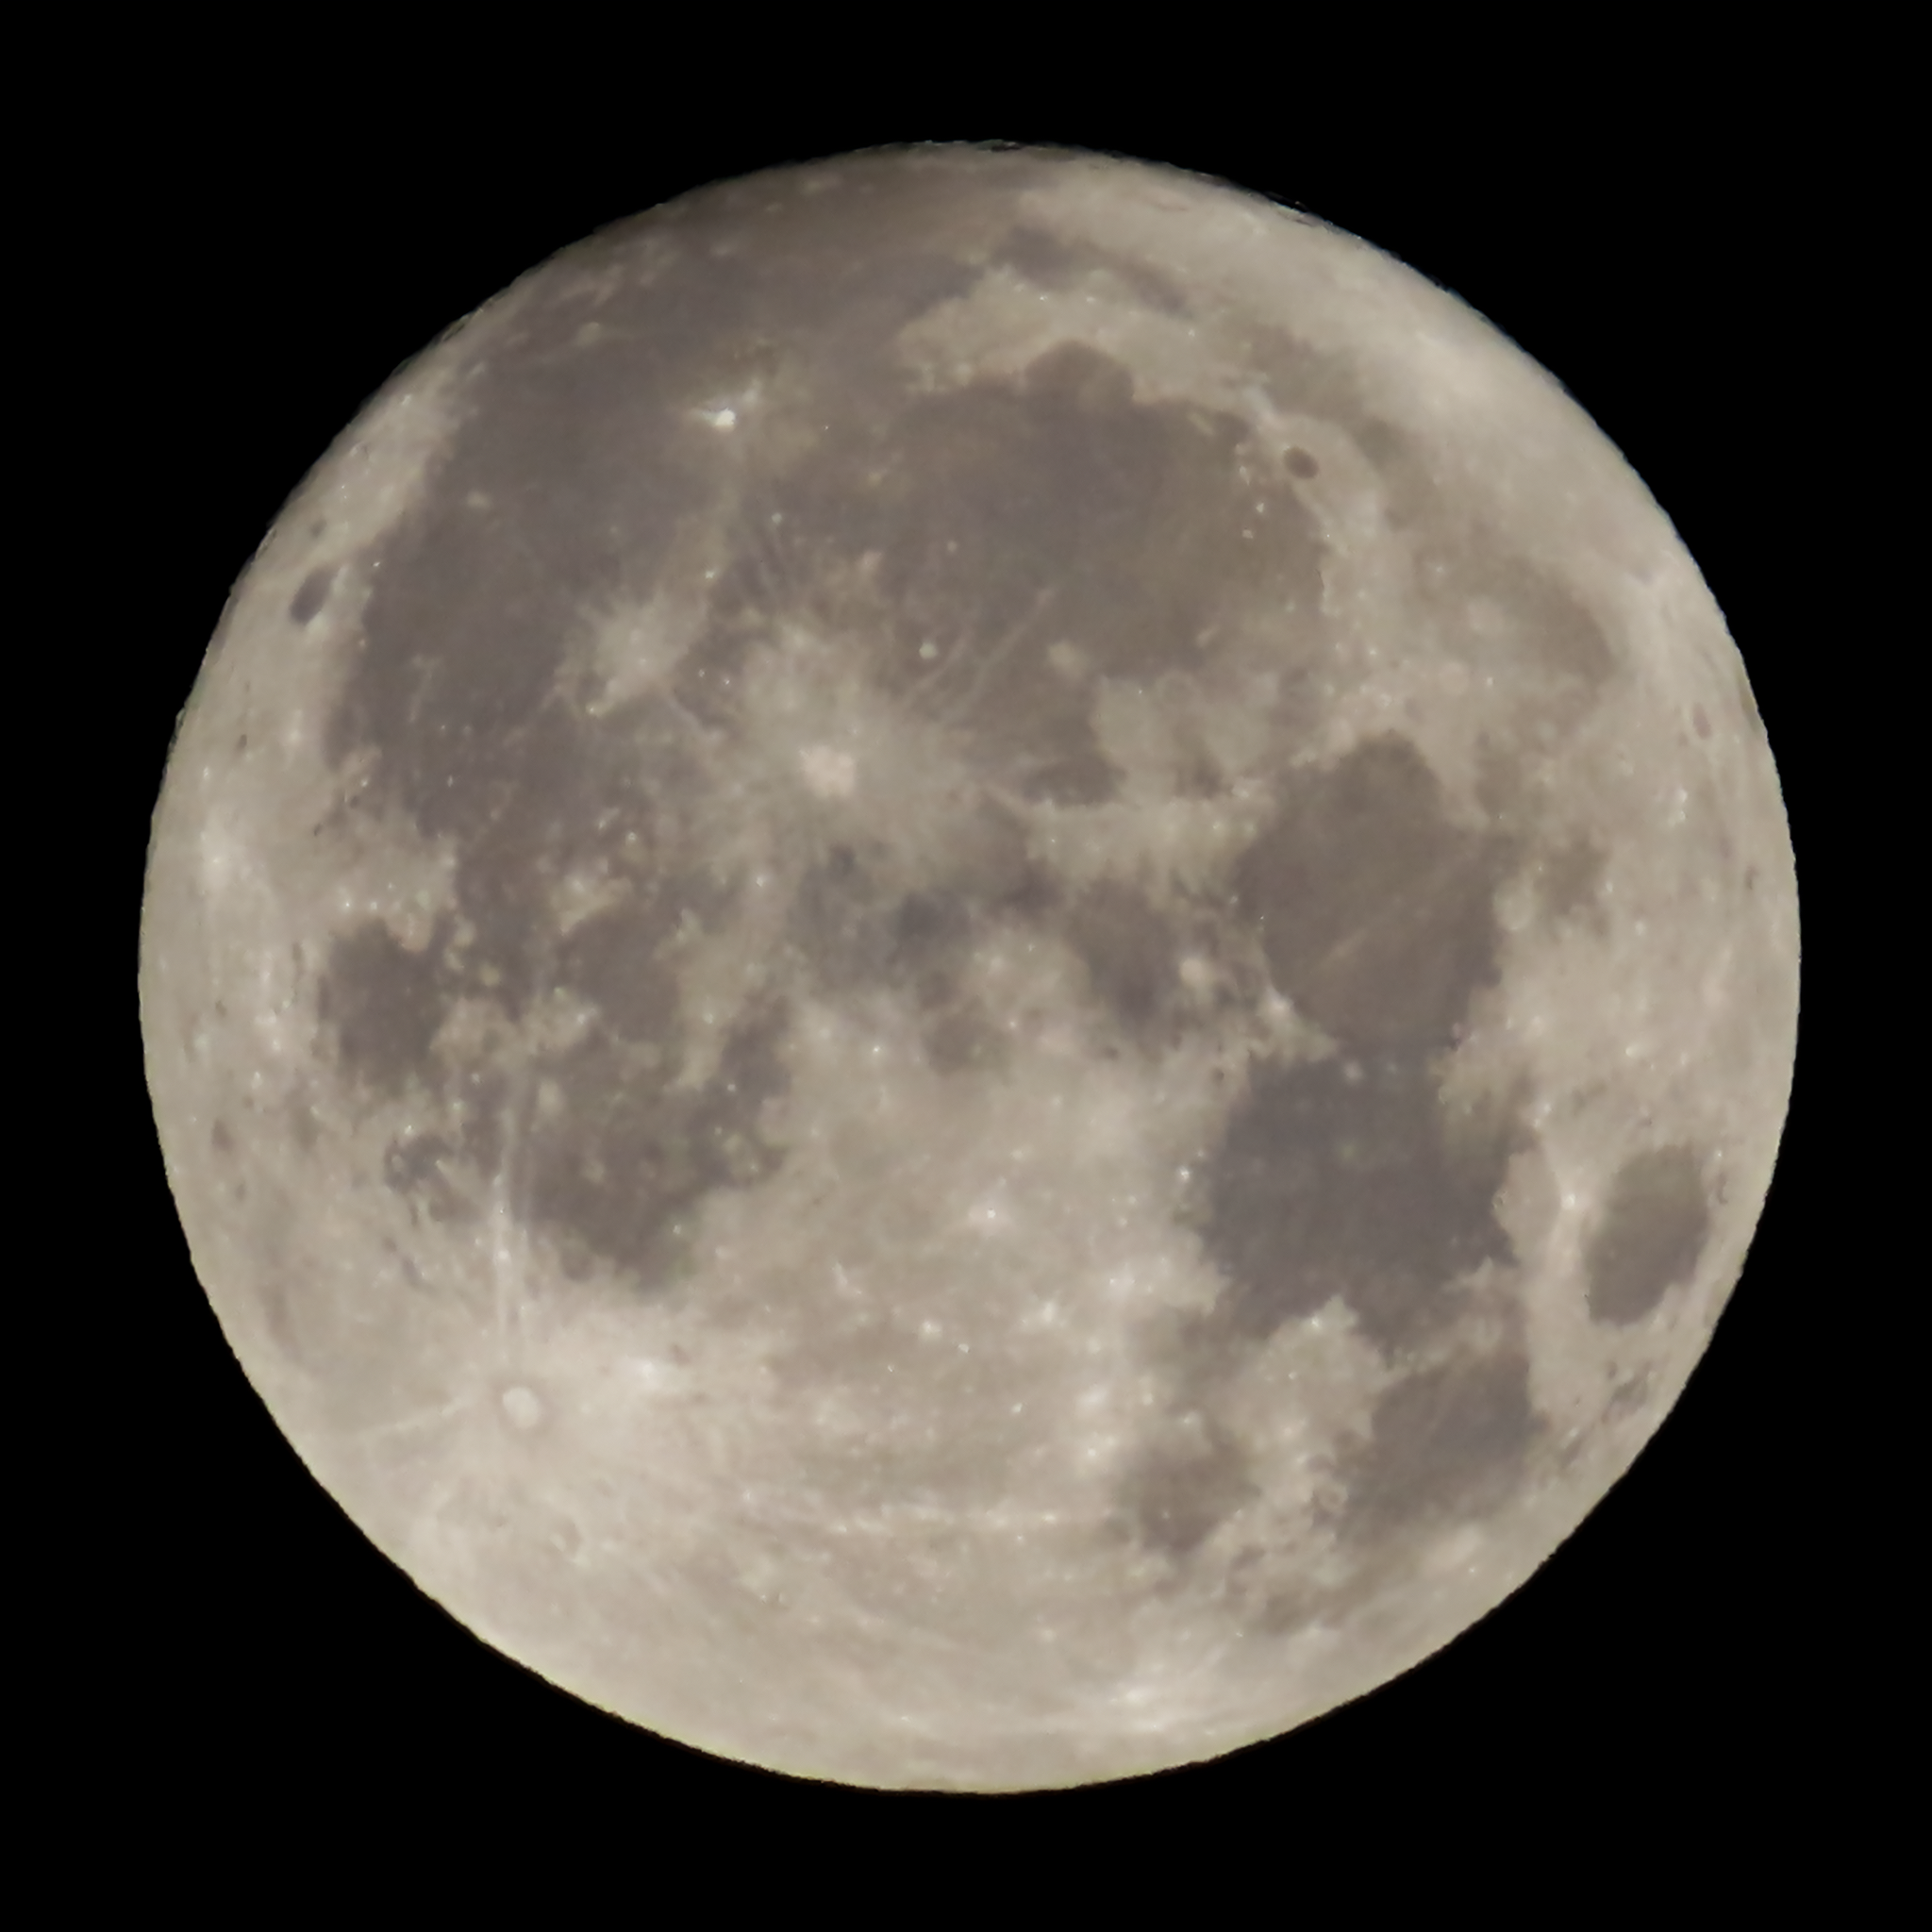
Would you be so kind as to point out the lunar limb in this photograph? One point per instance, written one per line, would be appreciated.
(971, 969)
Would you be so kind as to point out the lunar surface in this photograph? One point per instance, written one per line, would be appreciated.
(971, 969)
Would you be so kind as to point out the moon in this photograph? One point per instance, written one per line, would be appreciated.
(970, 970)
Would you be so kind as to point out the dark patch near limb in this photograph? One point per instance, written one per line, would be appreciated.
(1048, 262)
(1628, 1397)
(1515, 613)
(1303, 380)
(557, 493)
(1747, 698)
(1129, 950)
(1330, 1185)
(1651, 1235)
(1185, 1486)
(1043, 258)
(1513, 609)
(1447, 1441)
(311, 593)
(384, 1005)
(1376, 910)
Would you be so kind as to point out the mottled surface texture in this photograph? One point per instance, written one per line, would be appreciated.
(970, 968)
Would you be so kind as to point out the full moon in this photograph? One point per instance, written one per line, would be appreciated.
(971, 969)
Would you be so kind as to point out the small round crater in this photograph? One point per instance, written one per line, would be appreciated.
(312, 595)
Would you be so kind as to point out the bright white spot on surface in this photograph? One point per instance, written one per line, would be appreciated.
(522, 1407)
(829, 774)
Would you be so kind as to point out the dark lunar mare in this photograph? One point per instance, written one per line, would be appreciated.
(579, 458)
(1375, 910)
(577, 461)
(1447, 1441)
(999, 547)
(970, 533)
(1051, 507)
(312, 595)
(1352, 1179)
(1650, 1236)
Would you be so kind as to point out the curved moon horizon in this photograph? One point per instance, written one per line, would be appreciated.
(970, 968)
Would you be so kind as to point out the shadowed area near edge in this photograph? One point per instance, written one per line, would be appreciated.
(1650, 1234)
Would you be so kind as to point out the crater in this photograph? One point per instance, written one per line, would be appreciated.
(312, 595)
(1650, 1236)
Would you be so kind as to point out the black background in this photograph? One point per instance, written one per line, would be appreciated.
(1681, 1681)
